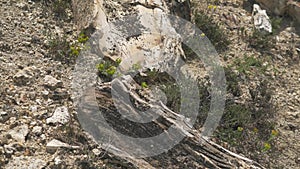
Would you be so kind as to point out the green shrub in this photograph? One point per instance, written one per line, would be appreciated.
(108, 68)
(212, 30)
(276, 24)
(249, 64)
(58, 47)
(62, 49)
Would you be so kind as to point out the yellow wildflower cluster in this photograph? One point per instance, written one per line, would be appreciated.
(212, 7)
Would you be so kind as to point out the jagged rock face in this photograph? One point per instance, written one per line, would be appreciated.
(87, 12)
(119, 28)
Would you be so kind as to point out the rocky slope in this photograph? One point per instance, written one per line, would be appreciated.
(38, 125)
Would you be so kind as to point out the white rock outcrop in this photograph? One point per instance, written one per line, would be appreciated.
(261, 19)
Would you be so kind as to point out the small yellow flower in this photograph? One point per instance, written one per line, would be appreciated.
(212, 7)
(274, 133)
(240, 129)
(267, 146)
(255, 130)
(202, 34)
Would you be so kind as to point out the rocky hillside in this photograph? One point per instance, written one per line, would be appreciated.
(39, 124)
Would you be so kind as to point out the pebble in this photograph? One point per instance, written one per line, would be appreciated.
(3, 116)
(52, 82)
(24, 76)
(19, 133)
(37, 130)
(96, 151)
(57, 160)
(60, 115)
(54, 144)
(9, 149)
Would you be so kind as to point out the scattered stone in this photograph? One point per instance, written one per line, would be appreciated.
(34, 109)
(3, 140)
(59, 94)
(45, 94)
(96, 151)
(37, 130)
(24, 76)
(9, 150)
(30, 21)
(3, 117)
(261, 19)
(54, 144)
(26, 162)
(43, 137)
(52, 82)
(60, 115)
(57, 160)
(19, 133)
(295, 114)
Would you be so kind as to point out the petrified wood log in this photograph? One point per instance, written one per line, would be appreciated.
(194, 151)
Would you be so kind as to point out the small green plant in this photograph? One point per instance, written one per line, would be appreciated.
(247, 126)
(267, 145)
(74, 50)
(136, 66)
(108, 68)
(60, 48)
(144, 85)
(82, 38)
(249, 64)
(276, 23)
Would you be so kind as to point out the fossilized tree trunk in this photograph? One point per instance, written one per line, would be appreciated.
(194, 151)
